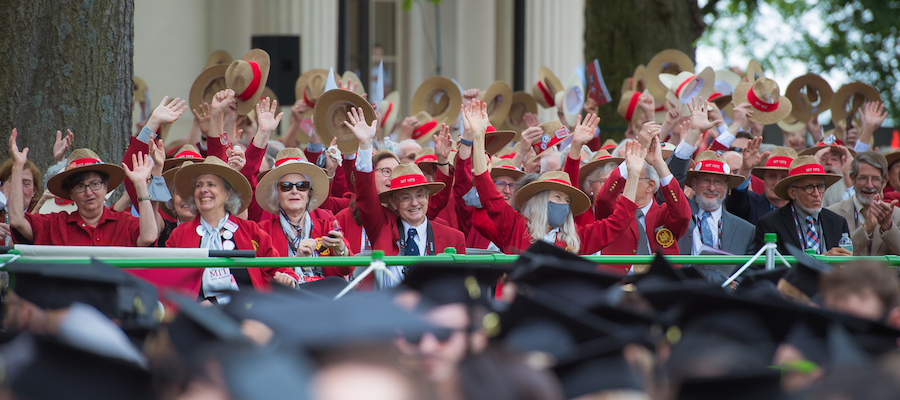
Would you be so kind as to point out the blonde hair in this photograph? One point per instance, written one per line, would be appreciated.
(535, 212)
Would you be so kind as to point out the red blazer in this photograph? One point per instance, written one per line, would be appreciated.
(381, 223)
(513, 226)
(573, 168)
(322, 223)
(467, 217)
(249, 236)
(674, 215)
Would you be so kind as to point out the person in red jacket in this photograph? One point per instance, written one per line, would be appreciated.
(548, 206)
(292, 193)
(404, 228)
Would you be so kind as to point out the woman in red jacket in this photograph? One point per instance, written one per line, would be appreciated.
(292, 193)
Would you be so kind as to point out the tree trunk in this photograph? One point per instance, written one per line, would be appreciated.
(623, 34)
(68, 65)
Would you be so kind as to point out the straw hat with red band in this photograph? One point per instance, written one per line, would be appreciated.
(554, 180)
(292, 161)
(571, 99)
(723, 89)
(351, 81)
(609, 145)
(83, 160)
(810, 95)
(764, 96)
(545, 89)
(754, 72)
(850, 97)
(710, 162)
(213, 165)
(310, 86)
(686, 86)
(389, 109)
(248, 77)
(499, 100)
(426, 160)
(779, 160)
(554, 132)
(428, 126)
(828, 141)
(505, 167)
(803, 167)
(600, 158)
(331, 112)
(219, 57)
(495, 140)
(408, 176)
(207, 84)
(792, 125)
(522, 102)
(628, 105)
(639, 79)
(440, 97)
(669, 61)
(185, 153)
(169, 177)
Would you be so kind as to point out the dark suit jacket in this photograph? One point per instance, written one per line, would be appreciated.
(749, 205)
(781, 222)
(737, 234)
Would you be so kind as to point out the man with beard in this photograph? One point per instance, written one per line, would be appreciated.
(711, 225)
(743, 201)
(803, 222)
(874, 221)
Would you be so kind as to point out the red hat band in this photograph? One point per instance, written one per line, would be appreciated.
(404, 181)
(808, 169)
(759, 104)
(423, 129)
(683, 84)
(547, 96)
(247, 94)
(558, 181)
(548, 140)
(632, 104)
(713, 166)
(427, 158)
(779, 162)
(286, 160)
(82, 162)
(390, 106)
(188, 154)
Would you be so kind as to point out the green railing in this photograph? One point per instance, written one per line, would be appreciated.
(449, 255)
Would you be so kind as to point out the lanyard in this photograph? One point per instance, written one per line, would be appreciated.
(429, 245)
(855, 217)
(697, 223)
(800, 230)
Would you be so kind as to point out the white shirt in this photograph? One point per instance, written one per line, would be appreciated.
(364, 160)
(421, 236)
(664, 181)
(713, 221)
(640, 220)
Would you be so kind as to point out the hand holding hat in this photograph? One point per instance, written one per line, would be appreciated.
(700, 115)
(356, 121)
(648, 131)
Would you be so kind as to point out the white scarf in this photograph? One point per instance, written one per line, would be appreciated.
(216, 280)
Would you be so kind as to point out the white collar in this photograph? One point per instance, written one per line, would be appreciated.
(420, 230)
(646, 209)
(716, 215)
(550, 237)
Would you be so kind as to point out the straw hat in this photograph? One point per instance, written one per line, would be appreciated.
(828, 141)
(803, 167)
(639, 79)
(669, 61)
(428, 126)
(628, 105)
(331, 112)
(545, 89)
(791, 124)
(686, 85)
(571, 99)
(218, 57)
(426, 160)
(213, 165)
(389, 109)
(185, 153)
(495, 140)
(754, 71)
(667, 150)
(810, 95)
(82, 160)
(892, 158)
(710, 162)
(407, 176)
(292, 161)
(440, 97)
(779, 160)
(850, 97)
(600, 158)
(723, 89)
(505, 167)
(140, 90)
(765, 97)
(522, 102)
(169, 177)
(349, 79)
(554, 180)
(499, 100)
(247, 77)
(609, 144)
(554, 132)
(310, 86)
(207, 84)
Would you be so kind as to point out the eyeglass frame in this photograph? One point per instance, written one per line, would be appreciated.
(291, 185)
(85, 187)
(821, 188)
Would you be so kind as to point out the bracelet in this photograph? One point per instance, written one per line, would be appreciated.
(140, 199)
(443, 164)
(466, 142)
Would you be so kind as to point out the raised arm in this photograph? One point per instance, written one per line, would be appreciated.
(15, 202)
(219, 107)
(872, 116)
(139, 176)
(371, 210)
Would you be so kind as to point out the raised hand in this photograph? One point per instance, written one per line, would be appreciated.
(297, 110)
(654, 151)
(478, 118)
(222, 102)
(634, 158)
(584, 130)
(531, 120)
(647, 103)
(140, 171)
(236, 159)
(158, 155)
(443, 143)
(62, 144)
(356, 121)
(531, 135)
(714, 113)
(700, 115)
(265, 115)
(742, 113)
(19, 157)
(846, 161)
(471, 94)
(590, 106)
(813, 127)
(202, 117)
(166, 112)
(751, 156)
(872, 114)
(407, 127)
(648, 131)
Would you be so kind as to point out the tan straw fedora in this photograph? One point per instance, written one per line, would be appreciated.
(764, 95)
(310, 86)
(219, 57)
(828, 141)
(522, 102)
(669, 61)
(426, 160)
(407, 176)
(186, 153)
(390, 110)
(440, 97)
(292, 161)
(554, 132)
(803, 167)
(545, 89)
(82, 160)
(850, 97)
(554, 180)
(248, 77)
(571, 99)
(723, 89)
(499, 100)
(779, 160)
(600, 158)
(331, 112)
(792, 125)
(638, 81)
(505, 167)
(207, 84)
(710, 162)
(686, 86)
(495, 140)
(810, 95)
(754, 71)
(213, 165)
(628, 105)
(349, 79)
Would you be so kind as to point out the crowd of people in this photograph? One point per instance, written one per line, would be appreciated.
(476, 171)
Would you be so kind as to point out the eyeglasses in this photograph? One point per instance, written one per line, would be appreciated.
(287, 186)
(809, 189)
(95, 186)
(440, 333)
(406, 198)
(862, 180)
(385, 172)
(712, 182)
(503, 185)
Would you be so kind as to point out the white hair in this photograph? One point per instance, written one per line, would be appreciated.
(595, 175)
(565, 153)
(546, 159)
(652, 175)
(615, 152)
(535, 212)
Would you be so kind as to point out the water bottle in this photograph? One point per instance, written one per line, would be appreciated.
(846, 243)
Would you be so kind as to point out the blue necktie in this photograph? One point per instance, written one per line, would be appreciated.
(705, 233)
(412, 249)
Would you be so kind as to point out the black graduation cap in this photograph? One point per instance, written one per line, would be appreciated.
(57, 285)
(446, 283)
(806, 272)
(750, 277)
(196, 326)
(139, 307)
(257, 373)
(329, 286)
(61, 371)
(764, 384)
(660, 272)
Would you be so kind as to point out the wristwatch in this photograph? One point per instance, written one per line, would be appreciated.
(148, 197)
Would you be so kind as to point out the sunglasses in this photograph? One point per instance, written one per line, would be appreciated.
(287, 186)
(441, 334)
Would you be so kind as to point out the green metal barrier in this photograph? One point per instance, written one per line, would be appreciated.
(449, 255)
